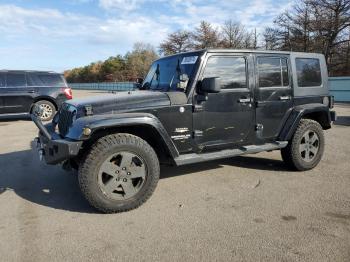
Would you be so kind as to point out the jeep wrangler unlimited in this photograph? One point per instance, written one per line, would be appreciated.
(191, 107)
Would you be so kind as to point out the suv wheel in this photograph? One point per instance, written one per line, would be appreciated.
(306, 147)
(48, 108)
(119, 173)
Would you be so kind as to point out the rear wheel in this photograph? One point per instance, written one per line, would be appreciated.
(119, 174)
(306, 147)
(48, 110)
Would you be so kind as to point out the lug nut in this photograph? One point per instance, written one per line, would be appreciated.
(129, 173)
(123, 168)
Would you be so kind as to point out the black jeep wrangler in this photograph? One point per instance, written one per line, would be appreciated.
(191, 107)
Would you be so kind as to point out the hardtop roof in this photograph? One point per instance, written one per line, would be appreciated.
(257, 51)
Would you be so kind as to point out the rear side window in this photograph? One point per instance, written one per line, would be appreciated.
(15, 80)
(40, 79)
(308, 72)
(2, 80)
(273, 72)
(231, 70)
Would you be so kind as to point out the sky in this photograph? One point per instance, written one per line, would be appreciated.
(63, 34)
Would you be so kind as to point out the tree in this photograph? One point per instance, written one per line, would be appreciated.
(139, 60)
(177, 42)
(205, 36)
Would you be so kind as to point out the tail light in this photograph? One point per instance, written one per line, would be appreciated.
(67, 92)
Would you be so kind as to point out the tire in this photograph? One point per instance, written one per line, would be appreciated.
(111, 177)
(49, 110)
(305, 149)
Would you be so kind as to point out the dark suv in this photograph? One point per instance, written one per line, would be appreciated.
(21, 90)
(194, 107)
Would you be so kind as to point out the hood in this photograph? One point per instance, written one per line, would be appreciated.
(122, 101)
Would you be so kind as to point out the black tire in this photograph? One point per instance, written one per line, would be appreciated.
(49, 110)
(105, 148)
(309, 158)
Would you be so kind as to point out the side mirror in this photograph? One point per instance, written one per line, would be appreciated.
(210, 85)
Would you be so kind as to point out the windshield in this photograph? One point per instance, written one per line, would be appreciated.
(171, 73)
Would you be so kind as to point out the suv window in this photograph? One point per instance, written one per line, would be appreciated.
(2, 80)
(42, 79)
(15, 80)
(308, 72)
(231, 70)
(273, 71)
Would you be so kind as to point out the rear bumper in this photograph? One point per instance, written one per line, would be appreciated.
(333, 115)
(51, 147)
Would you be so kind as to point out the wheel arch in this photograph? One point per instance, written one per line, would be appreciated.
(146, 127)
(317, 112)
(44, 98)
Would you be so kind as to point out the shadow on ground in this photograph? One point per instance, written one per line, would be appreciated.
(53, 187)
(10, 118)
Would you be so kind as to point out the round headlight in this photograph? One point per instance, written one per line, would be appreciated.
(86, 131)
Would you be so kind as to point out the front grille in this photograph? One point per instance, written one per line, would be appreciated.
(65, 120)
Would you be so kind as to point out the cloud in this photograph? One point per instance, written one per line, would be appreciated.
(114, 27)
(123, 5)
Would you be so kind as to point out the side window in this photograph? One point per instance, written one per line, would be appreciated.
(15, 80)
(273, 72)
(308, 72)
(2, 80)
(231, 70)
(41, 79)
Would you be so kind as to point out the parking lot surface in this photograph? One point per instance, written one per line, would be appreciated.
(249, 208)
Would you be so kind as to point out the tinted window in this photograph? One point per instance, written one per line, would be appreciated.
(40, 79)
(2, 80)
(308, 72)
(273, 71)
(269, 72)
(15, 79)
(231, 70)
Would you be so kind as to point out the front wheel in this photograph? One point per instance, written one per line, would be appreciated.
(119, 174)
(305, 149)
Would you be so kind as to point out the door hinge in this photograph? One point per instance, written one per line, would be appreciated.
(197, 133)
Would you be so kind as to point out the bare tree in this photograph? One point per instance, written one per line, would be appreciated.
(205, 36)
(177, 42)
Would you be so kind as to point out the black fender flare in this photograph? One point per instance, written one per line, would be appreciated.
(101, 122)
(300, 112)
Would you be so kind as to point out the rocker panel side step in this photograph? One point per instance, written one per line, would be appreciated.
(252, 149)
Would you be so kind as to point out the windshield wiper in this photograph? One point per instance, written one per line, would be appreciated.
(178, 71)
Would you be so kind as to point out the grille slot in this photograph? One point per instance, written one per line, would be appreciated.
(65, 120)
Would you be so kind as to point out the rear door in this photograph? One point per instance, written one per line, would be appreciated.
(273, 94)
(17, 97)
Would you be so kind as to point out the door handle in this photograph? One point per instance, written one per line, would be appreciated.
(284, 97)
(31, 91)
(244, 100)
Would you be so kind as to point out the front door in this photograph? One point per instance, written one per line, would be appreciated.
(225, 119)
(273, 94)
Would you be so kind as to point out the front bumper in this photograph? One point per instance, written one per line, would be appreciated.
(51, 147)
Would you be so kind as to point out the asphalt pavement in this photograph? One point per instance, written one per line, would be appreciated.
(249, 208)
